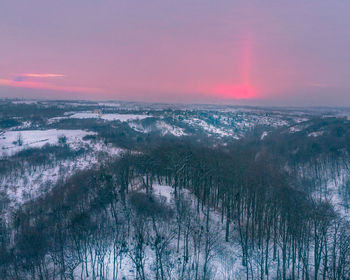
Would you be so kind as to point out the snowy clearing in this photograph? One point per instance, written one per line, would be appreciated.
(315, 134)
(161, 126)
(109, 117)
(12, 142)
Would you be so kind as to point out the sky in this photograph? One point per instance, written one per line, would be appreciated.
(254, 52)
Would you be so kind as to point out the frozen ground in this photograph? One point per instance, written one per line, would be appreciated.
(12, 142)
(161, 126)
(225, 261)
(108, 117)
(26, 183)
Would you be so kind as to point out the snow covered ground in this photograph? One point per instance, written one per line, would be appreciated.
(315, 134)
(109, 104)
(211, 129)
(225, 260)
(109, 117)
(22, 184)
(160, 126)
(12, 142)
(28, 102)
(31, 181)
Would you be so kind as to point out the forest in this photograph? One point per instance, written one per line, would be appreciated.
(237, 211)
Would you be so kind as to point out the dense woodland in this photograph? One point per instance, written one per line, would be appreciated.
(97, 221)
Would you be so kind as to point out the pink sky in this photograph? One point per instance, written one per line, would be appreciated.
(244, 52)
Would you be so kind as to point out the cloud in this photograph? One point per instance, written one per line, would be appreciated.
(26, 76)
(22, 83)
(36, 81)
(42, 75)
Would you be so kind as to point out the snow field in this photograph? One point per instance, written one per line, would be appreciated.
(12, 142)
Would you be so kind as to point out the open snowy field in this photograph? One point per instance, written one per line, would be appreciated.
(12, 142)
(108, 117)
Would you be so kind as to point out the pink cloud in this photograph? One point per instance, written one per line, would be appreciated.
(41, 75)
(42, 85)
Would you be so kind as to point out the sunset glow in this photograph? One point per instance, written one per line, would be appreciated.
(235, 91)
(176, 52)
